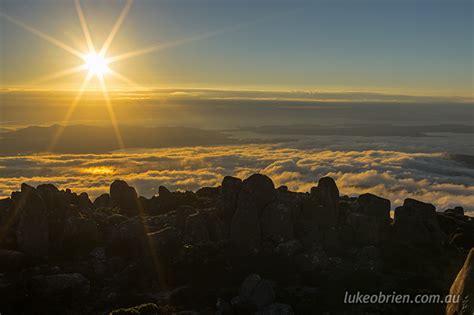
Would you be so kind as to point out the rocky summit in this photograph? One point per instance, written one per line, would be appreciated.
(245, 247)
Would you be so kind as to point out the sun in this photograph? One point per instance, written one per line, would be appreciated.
(96, 63)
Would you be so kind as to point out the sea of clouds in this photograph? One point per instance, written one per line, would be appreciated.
(389, 172)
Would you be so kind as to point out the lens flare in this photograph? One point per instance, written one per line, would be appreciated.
(96, 64)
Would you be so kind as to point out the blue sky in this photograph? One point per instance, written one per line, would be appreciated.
(415, 46)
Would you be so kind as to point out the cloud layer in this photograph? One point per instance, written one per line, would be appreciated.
(431, 177)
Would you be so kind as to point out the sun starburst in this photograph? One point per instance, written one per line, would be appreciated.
(97, 64)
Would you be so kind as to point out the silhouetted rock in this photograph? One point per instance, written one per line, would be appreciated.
(457, 211)
(256, 193)
(32, 232)
(102, 201)
(60, 255)
(84, 202)
(463, 287)
(375, 207)
(415, 223)
(166, 199)
(230, 192)
(327, 195)
(124, 197)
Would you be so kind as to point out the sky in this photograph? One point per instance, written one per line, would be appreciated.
(408, 47)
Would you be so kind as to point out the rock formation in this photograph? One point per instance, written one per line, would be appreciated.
(241, 248)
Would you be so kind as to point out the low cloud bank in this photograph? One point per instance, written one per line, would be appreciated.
(431, 177)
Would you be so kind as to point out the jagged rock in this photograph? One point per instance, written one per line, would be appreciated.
(195, 231)
(416, 223)
(463, 286)
(60, 286)
(103, 201)
(32, 231)
(230, 192)
(276, 223)
(256, 291)
(256, 193)
(11, 260)
(124, 197)
(276, 309)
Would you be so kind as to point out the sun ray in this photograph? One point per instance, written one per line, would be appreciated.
(44, 36)
(85, 28)
(116, 27)
(165, 45)
(110, 109)
(124, 79)
(70, 111)
(58, 74)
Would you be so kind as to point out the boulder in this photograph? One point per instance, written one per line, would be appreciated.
(256, 193)
(196, 231)
(463, 286)
(229, 193)
(124, 197)
(33, 230)
(375, 207)
(84, 202)
(457, 211)
(103, 201)
(416, 223)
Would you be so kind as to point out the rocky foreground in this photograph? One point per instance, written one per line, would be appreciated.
(241, 248)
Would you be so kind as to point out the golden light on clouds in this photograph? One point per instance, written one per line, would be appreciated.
(99, 170)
